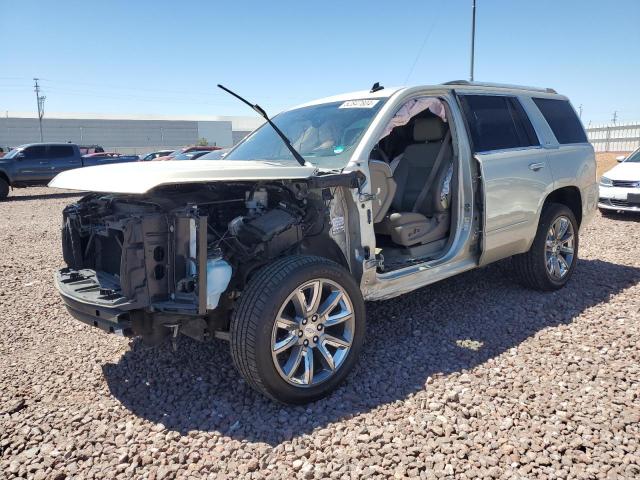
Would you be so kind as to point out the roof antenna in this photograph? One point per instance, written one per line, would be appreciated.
(376, 88)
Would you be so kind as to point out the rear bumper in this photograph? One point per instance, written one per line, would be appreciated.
(93, 303)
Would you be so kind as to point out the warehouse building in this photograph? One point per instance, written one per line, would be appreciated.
(126, 134)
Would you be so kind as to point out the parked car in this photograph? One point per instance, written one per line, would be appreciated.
(620, 186)
(276, 247)
(37, 163)
(193, 155)
(89, 149)
(153, 155)
(197, 148)
(107, 157)
(215, 155)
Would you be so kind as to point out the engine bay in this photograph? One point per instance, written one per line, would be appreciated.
(175, 250)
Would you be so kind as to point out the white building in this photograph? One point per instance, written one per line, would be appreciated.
(126, 133)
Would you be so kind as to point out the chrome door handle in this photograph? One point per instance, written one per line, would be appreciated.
(536, 166)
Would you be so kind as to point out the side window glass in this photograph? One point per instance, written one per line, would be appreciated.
(35, 152)
(497, 123)
(562, 119)
(60, 151)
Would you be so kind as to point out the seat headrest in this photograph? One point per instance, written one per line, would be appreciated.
(428, 129)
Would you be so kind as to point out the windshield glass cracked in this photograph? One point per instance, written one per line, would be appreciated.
(325, 134)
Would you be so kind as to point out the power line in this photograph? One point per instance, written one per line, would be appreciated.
(424, 43)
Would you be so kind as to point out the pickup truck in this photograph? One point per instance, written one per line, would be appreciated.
(37, 163)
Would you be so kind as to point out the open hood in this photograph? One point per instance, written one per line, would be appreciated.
(140, 177)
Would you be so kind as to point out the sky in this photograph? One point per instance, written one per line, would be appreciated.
(166, 57)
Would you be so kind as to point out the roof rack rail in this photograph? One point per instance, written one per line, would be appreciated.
(499, 85)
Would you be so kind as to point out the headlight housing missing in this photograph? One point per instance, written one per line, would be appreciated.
(606, 182)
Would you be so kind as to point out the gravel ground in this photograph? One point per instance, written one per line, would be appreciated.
(472, 377)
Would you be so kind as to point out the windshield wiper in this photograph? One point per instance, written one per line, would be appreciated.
(264, 115)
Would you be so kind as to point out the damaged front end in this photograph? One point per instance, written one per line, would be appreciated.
(174, 260)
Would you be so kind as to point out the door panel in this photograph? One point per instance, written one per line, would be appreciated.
(63, 157)
(515, 184)
(34, 167)
(514, 166)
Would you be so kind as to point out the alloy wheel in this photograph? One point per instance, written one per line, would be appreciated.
(313, 333)
(560, 247)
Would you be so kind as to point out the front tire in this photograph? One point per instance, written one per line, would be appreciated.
(298, 329)
(4, 189)
(551, 260)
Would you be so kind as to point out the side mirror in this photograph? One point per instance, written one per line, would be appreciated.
(620, 158)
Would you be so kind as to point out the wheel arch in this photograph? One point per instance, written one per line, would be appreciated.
(5, 177)
(569, 196)
(324, 246)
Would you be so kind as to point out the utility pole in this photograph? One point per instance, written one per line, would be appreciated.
(580, 111)
(40, 99)
(473, 36)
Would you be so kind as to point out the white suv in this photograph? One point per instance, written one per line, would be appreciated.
(363, 196)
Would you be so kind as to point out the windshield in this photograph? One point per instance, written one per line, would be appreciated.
(325, 134)
(13, 152)
(634, 157)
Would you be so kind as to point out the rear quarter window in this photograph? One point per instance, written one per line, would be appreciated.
(497, 123)
(562, 119)
(60, 151)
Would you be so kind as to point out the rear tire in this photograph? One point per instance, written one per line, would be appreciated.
(551, 260)
(287, 341)
(4, 189)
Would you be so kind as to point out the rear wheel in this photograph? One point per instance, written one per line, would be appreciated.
(4, 189)
(298, 329)
(549, 263)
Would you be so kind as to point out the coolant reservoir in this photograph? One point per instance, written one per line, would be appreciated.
(218, 276)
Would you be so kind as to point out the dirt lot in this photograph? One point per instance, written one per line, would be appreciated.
(607, 160)
(472, 377)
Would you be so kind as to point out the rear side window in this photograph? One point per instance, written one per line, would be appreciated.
(60, 151)
(562, 119)
(497, 123)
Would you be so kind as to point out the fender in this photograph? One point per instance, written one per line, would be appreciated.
(4, 175)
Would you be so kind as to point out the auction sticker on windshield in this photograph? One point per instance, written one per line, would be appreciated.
(359, 103)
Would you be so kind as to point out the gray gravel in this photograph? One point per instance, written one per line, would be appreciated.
(472, 377)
